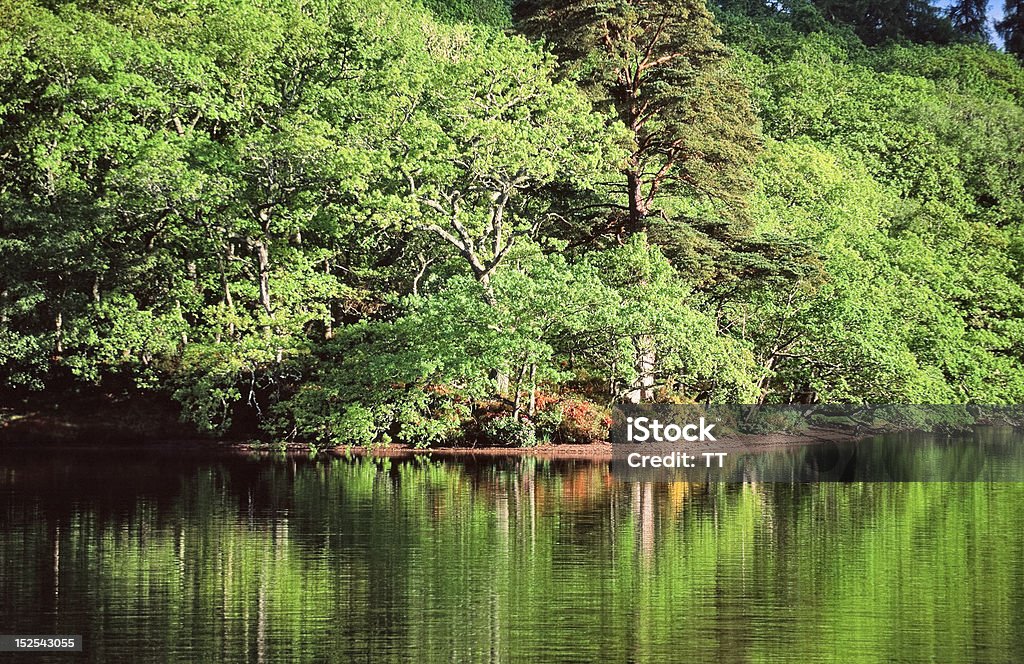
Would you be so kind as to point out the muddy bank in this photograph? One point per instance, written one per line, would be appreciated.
(602, 451)
(154, 425)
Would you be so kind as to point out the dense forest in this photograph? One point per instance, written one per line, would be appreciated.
(363, 221)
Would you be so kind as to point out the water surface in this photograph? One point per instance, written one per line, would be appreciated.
(158, 558)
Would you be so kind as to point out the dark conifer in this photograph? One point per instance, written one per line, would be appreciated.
(969, 17)
(660, 66)
(1011, 28)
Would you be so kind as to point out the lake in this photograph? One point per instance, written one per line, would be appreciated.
(153, 557)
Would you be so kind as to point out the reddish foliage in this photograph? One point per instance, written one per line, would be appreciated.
(584, 421)
(545, 400)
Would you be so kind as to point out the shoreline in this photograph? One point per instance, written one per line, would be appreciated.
(602, 450)
(102, 423)
(41, 431)
(151, 425)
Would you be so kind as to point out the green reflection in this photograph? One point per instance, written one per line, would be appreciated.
(519, 560)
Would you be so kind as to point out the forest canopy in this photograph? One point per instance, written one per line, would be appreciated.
(362, 221)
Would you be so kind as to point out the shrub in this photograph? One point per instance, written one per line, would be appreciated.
(548, 422)
(583, 421)
(776, 420)
(508, 431)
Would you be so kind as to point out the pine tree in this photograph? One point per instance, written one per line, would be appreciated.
(660, 66)
(879, 21)
(969, 18)
(1011, 28)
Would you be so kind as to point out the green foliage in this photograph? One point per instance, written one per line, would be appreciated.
(891, 163)
(365, 222)
(509, 431)
(548, 422)
(487, 12)
(661, 68)
(788, 420)
(416, 376)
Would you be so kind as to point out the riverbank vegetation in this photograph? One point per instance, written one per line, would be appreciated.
(363, 221)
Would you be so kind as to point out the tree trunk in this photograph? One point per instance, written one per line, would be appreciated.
(533, 390)
(644, 359)
(58, 327)
(500, 376)
(263, 270)
(637, 205)
(331, 306)
(485, 281)
(765, 380)
(517, 402)
(226, 300)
